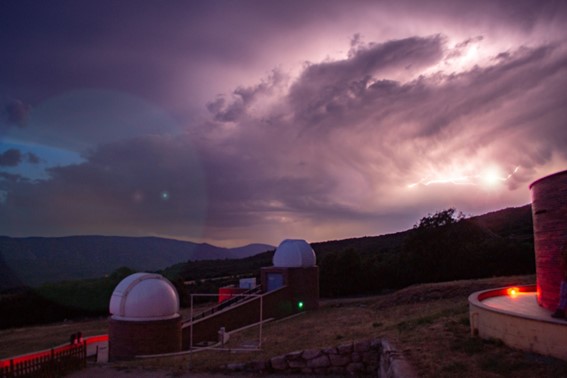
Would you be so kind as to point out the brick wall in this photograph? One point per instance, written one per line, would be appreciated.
(376, 357)
(303, 284)
(549, 211)
(133, 338)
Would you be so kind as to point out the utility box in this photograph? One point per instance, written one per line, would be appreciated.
(247, 283)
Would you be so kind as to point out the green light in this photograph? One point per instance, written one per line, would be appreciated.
(300, 305)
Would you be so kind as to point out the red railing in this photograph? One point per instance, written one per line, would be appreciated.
(49, 363)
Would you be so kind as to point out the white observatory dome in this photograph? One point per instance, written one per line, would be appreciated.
(144, 296)
(294, 254)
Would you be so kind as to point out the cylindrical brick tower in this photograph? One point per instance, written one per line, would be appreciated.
(549, 212)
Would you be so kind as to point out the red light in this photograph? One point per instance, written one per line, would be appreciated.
(513, 292)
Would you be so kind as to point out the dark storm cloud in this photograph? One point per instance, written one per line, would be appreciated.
(482, 90)
(325, 88)
(32, 158)
(16, 113)
(134, 185)
(14, 157)
(384, 129)
(6, 178)
(243, 98)
(151, 51)
(262, 173)
(10, 158)
(322, 150)
(427, 107)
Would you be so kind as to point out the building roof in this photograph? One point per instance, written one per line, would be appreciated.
(294, 254)
(144, 296)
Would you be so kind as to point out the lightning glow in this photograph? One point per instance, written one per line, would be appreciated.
(490, 177)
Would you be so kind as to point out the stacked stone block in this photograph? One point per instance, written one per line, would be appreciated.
(374, 357)
(135, 338)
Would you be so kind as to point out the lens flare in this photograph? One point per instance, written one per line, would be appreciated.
(164, 195)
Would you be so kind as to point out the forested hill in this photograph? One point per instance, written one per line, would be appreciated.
(511, 223)
(490, 238)
(443, 247)
(496, 243)
(33, 261)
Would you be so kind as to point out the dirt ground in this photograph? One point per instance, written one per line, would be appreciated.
(423, 321)
(107, 371)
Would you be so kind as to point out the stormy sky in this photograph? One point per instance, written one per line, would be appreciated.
(254, 121)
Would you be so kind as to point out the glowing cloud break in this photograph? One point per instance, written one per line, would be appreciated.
(489, 177)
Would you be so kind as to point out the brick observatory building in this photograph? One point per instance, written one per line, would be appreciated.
(291, 285)
(145, 317)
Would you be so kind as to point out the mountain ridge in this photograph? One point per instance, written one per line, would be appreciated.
(93, 256)
(32, 261)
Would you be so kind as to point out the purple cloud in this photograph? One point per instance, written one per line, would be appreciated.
(326, 145)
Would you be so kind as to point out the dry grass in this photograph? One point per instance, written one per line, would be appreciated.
(428, 323)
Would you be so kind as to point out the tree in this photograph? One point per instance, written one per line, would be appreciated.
(439, 219)
(429, 252)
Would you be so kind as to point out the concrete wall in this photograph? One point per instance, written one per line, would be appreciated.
(521, 331)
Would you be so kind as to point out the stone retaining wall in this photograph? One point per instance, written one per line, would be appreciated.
(374, 357)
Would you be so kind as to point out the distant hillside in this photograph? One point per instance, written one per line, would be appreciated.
(34, 261)
(509, 228)
(511, 223)
(491, 245)
(495, 244)
(364, 245)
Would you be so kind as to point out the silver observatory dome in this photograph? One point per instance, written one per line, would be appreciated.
(144, 296)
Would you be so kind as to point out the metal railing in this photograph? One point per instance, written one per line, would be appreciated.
(50, 363)
(236, 298)
(53, 363)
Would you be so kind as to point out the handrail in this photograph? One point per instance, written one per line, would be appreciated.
(236, 298)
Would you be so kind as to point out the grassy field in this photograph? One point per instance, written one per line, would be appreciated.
(428, 323)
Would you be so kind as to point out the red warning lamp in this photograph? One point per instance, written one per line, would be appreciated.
(513, 292)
